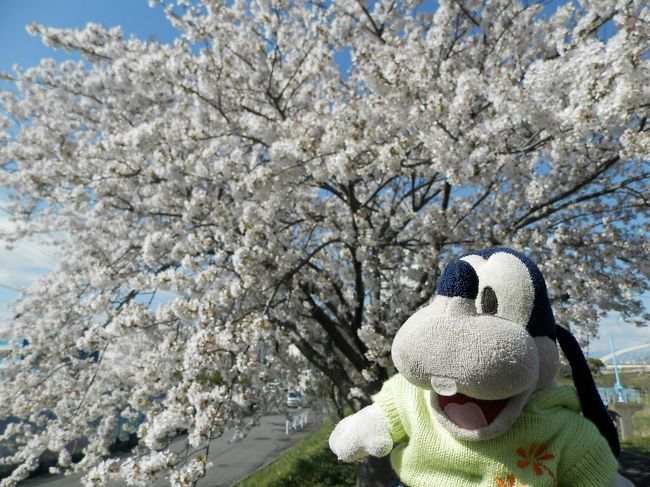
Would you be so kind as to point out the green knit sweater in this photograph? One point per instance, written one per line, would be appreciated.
(550, 444)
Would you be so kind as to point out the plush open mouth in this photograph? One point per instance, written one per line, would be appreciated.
(470, 413)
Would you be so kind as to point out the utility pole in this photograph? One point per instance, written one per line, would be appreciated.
(618, 386)
(625, 405)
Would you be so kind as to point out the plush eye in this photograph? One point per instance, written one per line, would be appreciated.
(505, 288)
(489, 302)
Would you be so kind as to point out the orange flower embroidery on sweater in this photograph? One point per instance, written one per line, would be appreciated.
(511, 481)
(536, 456)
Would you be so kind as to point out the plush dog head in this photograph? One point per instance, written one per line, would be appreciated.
(486, 343)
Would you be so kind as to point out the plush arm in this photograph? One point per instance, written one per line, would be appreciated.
(362, 434)
(620, 481)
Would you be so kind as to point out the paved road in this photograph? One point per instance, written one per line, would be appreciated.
(232, 461)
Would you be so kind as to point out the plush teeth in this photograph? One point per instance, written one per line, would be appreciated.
(444, 386)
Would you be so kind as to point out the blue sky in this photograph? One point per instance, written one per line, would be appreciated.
(18, 47)
(19, 267)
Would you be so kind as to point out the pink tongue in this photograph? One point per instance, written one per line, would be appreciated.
(468, 416)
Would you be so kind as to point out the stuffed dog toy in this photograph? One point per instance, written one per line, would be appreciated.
(475, 402)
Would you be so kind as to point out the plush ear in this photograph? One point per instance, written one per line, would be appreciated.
(590, 401)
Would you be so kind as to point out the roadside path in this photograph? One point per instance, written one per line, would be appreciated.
(232, 461)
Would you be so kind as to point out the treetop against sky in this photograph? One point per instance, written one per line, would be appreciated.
(30, 259)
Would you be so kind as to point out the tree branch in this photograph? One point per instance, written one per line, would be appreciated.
(589, 179)
(332, 330)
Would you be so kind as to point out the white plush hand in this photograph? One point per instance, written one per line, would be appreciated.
(620, 481)
(362, 434)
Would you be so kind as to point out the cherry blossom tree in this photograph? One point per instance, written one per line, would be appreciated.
(292, 211)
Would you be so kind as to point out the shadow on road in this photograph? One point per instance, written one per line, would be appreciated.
(636, 468)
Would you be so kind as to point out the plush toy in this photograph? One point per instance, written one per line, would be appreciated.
(475, 402)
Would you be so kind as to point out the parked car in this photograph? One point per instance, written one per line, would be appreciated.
(294, 399)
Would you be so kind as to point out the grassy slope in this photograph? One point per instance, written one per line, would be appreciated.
(307, 463)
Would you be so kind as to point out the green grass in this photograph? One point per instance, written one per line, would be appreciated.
(308, 462)
(641, 421)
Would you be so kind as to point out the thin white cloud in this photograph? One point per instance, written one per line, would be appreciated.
(623, 334)
(26, 260)
(21, 265)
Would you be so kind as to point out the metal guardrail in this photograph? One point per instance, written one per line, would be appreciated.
(610, 395)
(296, 421)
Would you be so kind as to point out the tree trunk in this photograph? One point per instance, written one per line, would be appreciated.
(375, 472)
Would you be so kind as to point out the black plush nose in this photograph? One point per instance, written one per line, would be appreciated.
(459, 279)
